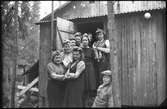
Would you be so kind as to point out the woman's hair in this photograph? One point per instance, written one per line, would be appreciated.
(76, 48)
(100, 31)
(55, 53)
(85, 35)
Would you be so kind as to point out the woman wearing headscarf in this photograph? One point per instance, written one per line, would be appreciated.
(90, 76)
(75, 80)
(102, 53)
(56, 84)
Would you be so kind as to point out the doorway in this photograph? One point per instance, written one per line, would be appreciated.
(90, 27)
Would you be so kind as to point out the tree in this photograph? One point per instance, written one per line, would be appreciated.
(16, 16)
(113, 53)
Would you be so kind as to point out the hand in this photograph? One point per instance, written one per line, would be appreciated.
(67, 75)
(63, 78)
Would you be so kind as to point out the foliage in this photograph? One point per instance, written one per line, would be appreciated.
(28, 37)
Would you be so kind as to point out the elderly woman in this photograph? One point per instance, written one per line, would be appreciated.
(102, 53)
(75, 80)
(67, 54)
(104, 96)
(56, 85)
(90, 76)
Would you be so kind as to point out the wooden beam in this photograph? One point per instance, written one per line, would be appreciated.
(52, 26)
(29, 86)
(34, 89)
(113, 53)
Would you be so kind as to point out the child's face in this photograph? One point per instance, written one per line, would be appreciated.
(106, 79)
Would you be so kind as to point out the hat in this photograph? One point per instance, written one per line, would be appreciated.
(107, 72)
(99, 31)
(77, 34)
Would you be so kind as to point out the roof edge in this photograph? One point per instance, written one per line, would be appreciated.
(62, 6)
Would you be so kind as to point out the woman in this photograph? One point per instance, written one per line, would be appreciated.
(78, 36)
(67, 55)
(56, 85)
(72, 42)
(75, 81)
(104, 96)
(102, 53)
(90, 76)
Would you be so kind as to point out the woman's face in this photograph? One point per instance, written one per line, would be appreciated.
(78, 39)
(106, 79)
(100, 36)
(73, 43)
(57, 59)
(85, 41)
(76, 55)
(67, 48)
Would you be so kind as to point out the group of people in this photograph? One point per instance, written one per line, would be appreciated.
(80, 75)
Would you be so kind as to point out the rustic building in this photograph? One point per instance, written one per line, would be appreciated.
(141, 44)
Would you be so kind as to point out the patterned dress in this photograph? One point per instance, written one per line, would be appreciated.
(102, 60)
(56, 87)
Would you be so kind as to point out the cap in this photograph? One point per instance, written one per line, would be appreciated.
(99, 31)
(107, 72)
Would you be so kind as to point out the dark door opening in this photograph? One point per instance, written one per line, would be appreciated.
(90, 28)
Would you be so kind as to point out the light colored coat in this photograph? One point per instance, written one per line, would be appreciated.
(104, 97)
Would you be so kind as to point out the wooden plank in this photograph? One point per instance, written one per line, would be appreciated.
(123, 62)
(160, 56)
(131, 64)
(134, 53)
(29, 86)
(128, 59)
(147, 33)
(143, 62)
(149, 76)
(34, 89)
(154, 64)
(139, 89)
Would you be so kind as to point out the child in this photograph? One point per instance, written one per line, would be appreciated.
(104, 96)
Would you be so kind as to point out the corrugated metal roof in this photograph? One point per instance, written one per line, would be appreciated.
(120, 7)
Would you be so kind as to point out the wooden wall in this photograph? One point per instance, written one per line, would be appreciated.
(141, 58)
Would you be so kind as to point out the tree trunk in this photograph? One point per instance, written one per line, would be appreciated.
(113, 53)
(14, 58)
